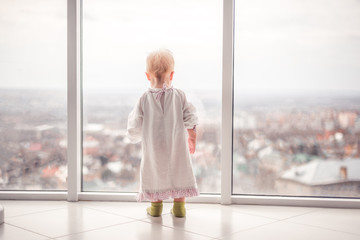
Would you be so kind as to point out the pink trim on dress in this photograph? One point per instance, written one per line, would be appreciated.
(157, 196)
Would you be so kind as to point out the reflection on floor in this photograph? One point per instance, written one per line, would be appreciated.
(62, 220)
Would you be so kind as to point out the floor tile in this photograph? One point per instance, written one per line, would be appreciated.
(274, 212)
(128, 220)
(8, 232)
(286, 230)
(135, 230)
(72, 219)
(127, 209)
(213, 221)
(18, 208)
(346, 220)
(136, 210)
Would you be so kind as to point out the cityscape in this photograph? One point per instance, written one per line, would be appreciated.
(299, 145)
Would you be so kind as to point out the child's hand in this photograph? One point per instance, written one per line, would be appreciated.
(192, 144)
(192, 140)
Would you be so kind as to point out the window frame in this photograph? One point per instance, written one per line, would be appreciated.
(74, 92)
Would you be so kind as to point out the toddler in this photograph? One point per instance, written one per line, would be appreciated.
(165, 122)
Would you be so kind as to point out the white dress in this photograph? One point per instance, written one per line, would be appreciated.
(160, 119)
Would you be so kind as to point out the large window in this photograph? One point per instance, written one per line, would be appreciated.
(297, 98)
(294, 99)
(117, 37)
(33, 95)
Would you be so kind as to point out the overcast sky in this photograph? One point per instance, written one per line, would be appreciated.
(279, 44)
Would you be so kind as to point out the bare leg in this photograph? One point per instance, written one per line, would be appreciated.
(179, 199)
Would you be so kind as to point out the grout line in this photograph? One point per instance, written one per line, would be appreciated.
(178, 229)
(277, 220)
(108, 212)
(298, 215)
(325, 228)
(117, 214)
(187, 231)
(254, 215)
(48, 237)
(146, 220)
(95, 229)
(247, 229)
(257, 215)
(37, 212)
(112, 213)
(273, 221)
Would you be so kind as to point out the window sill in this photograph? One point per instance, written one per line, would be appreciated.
(203, 198)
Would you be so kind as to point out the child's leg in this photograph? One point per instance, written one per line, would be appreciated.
(178, 209)
(179, 199)
(156, 209)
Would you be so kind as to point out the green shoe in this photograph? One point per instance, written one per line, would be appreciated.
(178, 209)
(155, 210)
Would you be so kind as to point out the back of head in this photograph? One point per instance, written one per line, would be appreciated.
(160, 62)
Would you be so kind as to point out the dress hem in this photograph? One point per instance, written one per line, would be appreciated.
(163, 195)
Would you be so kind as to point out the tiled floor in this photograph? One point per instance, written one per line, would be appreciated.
(32, 220)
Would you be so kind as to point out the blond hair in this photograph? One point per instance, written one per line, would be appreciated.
(160, 62)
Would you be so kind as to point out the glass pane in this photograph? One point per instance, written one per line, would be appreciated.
(33, 95)
(297, 98)
(118, 35)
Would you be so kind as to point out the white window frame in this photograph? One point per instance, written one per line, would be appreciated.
(74, 139)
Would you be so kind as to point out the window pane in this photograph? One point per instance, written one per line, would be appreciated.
(297, 98)
(33, 95)
(118, 35)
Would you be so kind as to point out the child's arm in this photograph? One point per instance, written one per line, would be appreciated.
(190, 122)
(192, 140)
(134, 127)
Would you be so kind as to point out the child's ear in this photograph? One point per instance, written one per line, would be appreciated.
(148, 76)
(171, 75)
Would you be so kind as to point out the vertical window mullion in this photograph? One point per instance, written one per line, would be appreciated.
(227, 102)
(74, 98)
